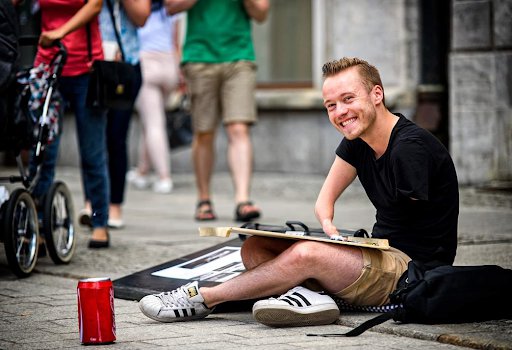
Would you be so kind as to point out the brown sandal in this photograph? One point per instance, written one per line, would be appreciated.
(204, 211)
(246, 211)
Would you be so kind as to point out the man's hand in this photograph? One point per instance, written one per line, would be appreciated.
(329, 228)
(257, 9)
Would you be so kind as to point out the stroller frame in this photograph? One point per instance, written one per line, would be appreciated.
(31, 226)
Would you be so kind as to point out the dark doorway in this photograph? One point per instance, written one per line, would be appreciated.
(432, 97)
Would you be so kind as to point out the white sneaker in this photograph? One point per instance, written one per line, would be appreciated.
(163, 186)
(115, 223)
(297, 307)
(182, 304)
(140, 182)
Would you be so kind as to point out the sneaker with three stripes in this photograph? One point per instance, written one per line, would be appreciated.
(182, 304)
(297, 307)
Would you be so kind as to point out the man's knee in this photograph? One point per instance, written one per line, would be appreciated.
(205, 136)
(236, 131)
(251, 251)
(305, 253)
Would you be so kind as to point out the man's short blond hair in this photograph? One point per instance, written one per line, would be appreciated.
(369, 74)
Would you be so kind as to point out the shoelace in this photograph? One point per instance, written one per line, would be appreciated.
(177, 297)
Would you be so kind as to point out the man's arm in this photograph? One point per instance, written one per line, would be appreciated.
(340, 176)
(257, 9)
(176, 6)
(138, 11)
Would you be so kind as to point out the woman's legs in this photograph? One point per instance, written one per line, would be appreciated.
(160, 78)
(91, 131)
(118, 123)
(150, 105)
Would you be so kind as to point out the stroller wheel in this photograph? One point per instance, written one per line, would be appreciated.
(21, 233)
(58, 225)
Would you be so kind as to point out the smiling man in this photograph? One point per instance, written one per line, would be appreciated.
(410, 179)
(406, 172)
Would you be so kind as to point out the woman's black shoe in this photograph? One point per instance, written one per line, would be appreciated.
(95, 244)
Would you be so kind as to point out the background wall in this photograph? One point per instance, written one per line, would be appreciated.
(481, 90)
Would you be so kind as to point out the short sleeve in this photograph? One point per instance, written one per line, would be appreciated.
(346, 151)
(411, 164)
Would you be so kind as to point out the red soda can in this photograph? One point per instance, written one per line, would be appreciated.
(96, 320)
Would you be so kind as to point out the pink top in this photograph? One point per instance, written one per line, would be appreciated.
(54, 13)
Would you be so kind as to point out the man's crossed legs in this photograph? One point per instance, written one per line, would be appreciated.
(276, 266)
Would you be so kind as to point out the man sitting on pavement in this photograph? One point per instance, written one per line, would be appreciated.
(409, 177)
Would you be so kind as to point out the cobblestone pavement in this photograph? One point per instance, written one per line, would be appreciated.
(40, 312)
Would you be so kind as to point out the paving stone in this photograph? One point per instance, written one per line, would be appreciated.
(44, 306)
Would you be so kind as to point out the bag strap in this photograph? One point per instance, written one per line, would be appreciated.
(116, 32)
(363, 327)
(388, 311)
(89, 44)
(118, 37)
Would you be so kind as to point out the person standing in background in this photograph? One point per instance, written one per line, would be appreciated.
(66, 20)
(9, 58)
(129, 15)
(159, 57)
(219, 67)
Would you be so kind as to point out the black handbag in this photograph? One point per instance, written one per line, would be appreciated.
(111, 83)
(179, 126)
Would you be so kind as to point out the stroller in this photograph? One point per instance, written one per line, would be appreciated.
(29, 224)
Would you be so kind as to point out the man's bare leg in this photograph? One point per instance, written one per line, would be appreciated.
(240, 159)
(275, 267)
(334, 267)
(203, 156)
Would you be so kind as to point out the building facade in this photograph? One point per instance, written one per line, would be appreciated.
(447, 65)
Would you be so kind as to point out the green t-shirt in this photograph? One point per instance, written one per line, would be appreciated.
(218, 31)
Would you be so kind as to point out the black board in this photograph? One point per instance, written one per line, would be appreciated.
(139, 284)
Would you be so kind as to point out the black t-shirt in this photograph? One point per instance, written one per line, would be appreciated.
(415, 165)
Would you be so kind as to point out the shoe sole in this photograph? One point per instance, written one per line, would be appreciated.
(285, 317)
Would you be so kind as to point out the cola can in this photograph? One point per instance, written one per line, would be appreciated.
(96, 319)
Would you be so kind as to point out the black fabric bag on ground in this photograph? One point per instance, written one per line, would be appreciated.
(447, 294)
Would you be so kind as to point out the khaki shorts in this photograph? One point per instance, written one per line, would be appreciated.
(381, 271)
(221, 91)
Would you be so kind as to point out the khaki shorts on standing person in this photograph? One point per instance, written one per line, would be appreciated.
(221, 91)
(381, 271)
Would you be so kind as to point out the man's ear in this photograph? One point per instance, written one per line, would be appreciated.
(377, 94)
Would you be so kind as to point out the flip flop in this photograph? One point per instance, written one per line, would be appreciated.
(243, 214)
(203, 214)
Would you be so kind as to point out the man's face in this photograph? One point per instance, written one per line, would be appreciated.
(349, 105)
